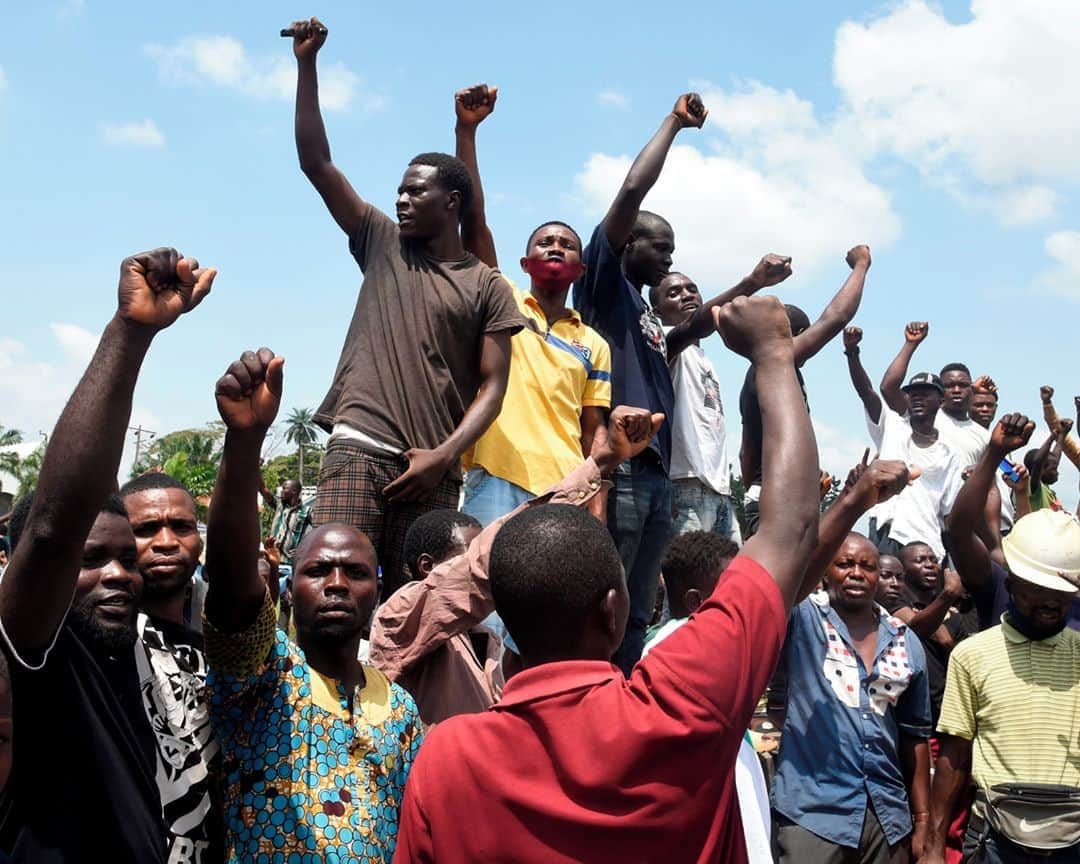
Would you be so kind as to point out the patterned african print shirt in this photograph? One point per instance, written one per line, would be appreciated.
(306, 777)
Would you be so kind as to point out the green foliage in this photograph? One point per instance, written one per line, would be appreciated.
(282, 468)
(197, 446)
(25, 471)
(9, 436)
(300, 429)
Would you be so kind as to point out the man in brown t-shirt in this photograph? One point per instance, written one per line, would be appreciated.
(425, 362)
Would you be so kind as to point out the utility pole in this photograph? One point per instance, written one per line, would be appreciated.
(139, 432)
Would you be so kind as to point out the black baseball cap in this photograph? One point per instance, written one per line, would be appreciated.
(924, 379)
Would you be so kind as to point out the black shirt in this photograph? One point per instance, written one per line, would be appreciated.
(750, 409)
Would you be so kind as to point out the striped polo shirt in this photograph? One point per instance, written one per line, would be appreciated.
(1018, 701)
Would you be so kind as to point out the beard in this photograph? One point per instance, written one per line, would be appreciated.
(110, 640)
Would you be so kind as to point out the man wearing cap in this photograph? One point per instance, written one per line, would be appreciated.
(1012, 699)
(918, 513)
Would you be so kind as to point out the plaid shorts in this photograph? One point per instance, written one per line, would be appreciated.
(350, 490)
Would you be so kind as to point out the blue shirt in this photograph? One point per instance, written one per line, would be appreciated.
(611, 305)
(842, 733)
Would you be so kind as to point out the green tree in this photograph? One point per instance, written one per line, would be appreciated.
(25, 471)
(9, 436)
(300, 429)
(198, 446)
(281, 468)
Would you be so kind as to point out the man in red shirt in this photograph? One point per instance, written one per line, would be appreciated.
(578, 763)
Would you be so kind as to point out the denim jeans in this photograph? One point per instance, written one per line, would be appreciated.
(639, 519)
(488, 497)
(699, 508)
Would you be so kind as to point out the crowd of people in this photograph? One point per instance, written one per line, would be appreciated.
(526, 619)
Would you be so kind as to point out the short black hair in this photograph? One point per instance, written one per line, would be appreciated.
(570, 228)
(432, 534)
(152, 480)
(1029, 463)
(798, 319)
(549, 568)
(908, 547)
(693, 560)
(647, 222)
(452, 173)
(21, 512)
(954, 367)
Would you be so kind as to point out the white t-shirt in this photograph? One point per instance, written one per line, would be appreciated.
(698, 432)
(965, 437)
(750, 788)
(918, 513)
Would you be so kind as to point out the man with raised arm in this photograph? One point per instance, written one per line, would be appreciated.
(579, 762)
(427, 355)
(809, 339)
(98, 775)
(317, 746)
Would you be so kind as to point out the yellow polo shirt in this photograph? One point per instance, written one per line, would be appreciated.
(555, 370)
(1018, 702)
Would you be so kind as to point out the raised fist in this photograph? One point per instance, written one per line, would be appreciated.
(158, 287)
(1011, 432)
(852, 337)
(308, 37)
(984, 383)
(771, 270)
(858, 255)
(916, 331)
(629, 431)
(249, 393)
(474, 103)
(1046, 393)
(690, 111)
(753, 325)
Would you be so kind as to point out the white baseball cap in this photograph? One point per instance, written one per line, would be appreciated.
(1044, 549)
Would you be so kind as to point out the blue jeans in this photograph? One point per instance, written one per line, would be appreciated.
(699, 508)
(488, 497)
(639, 519)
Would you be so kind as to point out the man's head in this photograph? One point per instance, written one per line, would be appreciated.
(553, 256)
(922, 570)
(693, 564)
(435, 190)
(290, 493)
(646, 257)
(1051, 465)
(799, 320)
(162, 515)
(335, 584)
(852, 576)
(675, 298)
(435, 537)
(956, 379)
(925, 393)
(1042, 554)
(890, 581)
(558, 584)
(983, 407)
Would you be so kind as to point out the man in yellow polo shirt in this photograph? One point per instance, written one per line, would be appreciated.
(560, 370)
(1011, 711)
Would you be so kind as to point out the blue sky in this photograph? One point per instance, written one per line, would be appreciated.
(942, 135)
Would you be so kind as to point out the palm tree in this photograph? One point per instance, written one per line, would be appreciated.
(300, 429)
(9, 436)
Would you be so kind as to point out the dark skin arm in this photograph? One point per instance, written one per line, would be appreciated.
(915, 762)
(968, 551)
(926, 623)
(79, 470)
(757, 328)
(248, 397)
(770, 270)
(894, 376)
(1043, 453)
(689, 112)
(839, 312)
(951, 776)
(471, 106)
(428, 467)
(859, 379)
(312, 146)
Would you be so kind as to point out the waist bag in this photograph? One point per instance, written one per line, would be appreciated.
(1036, 815)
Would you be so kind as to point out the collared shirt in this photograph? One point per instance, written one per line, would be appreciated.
(1018, 701)
(421, 639)
(289, 526)
(578, 763)
(556, 369)
(308, 771)
(609, 302)
(841, 739)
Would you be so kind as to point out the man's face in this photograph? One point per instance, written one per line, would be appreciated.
(1044, 608)
(677, 299)
(924, 402)
(334, 584)
(423, 204)
(852, 577)
(921, 567)
(290, 493)
(109, 585)
(648, 253)
(167, 537)
(890, 580)
(957, 386)
(554, 253)
(983, 408)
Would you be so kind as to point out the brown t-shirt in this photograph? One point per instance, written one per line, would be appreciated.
(410, 366)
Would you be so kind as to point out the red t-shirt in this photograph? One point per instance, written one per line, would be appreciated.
(578, 763)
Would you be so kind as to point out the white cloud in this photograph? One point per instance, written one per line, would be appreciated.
(1064, 277)
(224, 62)
(778, 181)
(613, 98)
(838, 453)
(983, 108)
(144, 133)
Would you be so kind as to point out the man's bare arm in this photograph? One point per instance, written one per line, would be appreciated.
(859, 379)
(951, 773)
(894, 376)
(471, 106)
(841, 308)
